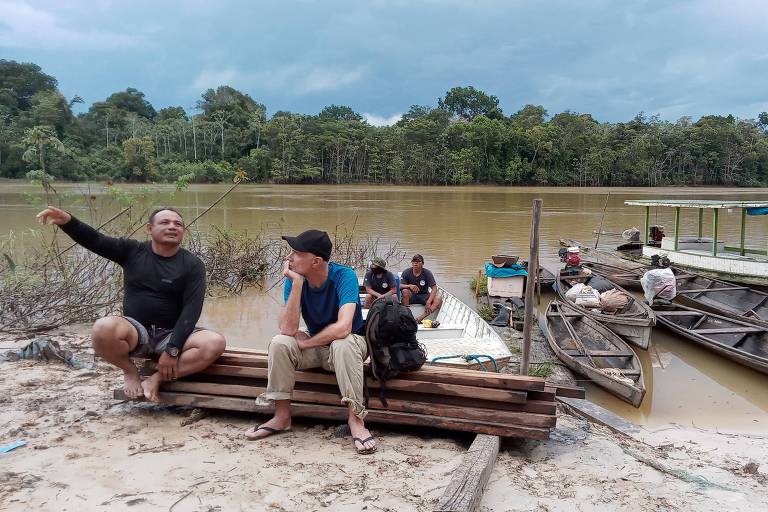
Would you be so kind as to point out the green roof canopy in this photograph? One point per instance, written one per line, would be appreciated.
(697, 203)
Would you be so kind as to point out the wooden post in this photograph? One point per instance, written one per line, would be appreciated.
(715, 220)
(647, 222)
(677, 227)
(701, 223)
(743, 230)
(533, 273)
(477, 283)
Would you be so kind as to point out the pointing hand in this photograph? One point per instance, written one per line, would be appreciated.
(53, 215)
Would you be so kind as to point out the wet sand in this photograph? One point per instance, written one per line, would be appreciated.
(87, 451)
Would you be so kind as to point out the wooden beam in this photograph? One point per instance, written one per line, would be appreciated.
(533, 273)
(394, 404)
(647, 223)
(728, 330)
(334, 413)
(677, 228)
(718, 289)
(470, 478)
(715, 220)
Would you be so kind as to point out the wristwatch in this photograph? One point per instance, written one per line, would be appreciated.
(172, 351)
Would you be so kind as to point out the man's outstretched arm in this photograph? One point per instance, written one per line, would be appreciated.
(114, 249)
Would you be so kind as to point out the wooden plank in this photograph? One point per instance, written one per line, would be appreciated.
(718, 289)
(678, 313)
(601, 353)
(328, 398)
(502, 395)
(569, 391)
(728, 330)
(329, 412)
(470, 478)
(597, 414)
(426, 373)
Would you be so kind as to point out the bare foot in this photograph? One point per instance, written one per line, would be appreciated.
(364, 441)
(150, 387)
(274, 426)
(132, 386)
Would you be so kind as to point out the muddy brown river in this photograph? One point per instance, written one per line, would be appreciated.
(456, 229)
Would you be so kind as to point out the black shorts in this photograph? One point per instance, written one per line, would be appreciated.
(152, 342)
(419, 298)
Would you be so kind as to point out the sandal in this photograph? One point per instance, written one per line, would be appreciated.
(364, 450)
(251, 435)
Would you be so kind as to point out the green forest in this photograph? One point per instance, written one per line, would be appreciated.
(465, 138)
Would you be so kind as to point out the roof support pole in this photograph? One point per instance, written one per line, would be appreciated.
(677, 227)
(647, 222)
(743, 230)
(701, 222)
(715, 220)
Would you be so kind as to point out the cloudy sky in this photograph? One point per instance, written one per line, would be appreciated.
(610, 58)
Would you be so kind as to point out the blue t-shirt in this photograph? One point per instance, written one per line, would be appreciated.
(320, 306)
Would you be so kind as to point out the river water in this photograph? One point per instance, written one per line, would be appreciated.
(456, 230)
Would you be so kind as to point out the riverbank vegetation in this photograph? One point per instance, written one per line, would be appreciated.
(464, 139)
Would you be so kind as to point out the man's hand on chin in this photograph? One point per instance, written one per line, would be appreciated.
(290, 274)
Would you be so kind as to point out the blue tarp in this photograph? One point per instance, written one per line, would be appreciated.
(514, 270)
(757, 211)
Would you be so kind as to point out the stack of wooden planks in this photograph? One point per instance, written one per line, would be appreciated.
(452, 399)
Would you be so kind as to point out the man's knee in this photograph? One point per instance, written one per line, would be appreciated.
(210, 343)
(282, 344)
(105, 330)
(407, 294)
(348, 348)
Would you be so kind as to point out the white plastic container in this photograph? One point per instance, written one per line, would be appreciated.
(506, 286)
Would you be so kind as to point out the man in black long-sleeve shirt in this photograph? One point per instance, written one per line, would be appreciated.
(163, 299)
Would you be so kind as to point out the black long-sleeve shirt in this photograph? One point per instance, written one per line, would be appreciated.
(166, 292)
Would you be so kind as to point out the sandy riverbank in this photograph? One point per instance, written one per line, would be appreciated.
(88, 452)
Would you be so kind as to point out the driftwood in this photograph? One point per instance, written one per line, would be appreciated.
(466, 487)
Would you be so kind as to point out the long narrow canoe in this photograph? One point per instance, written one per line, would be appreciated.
(633, 322)
(728, 299)
(628, 278)
(743, 342)
(588, 348)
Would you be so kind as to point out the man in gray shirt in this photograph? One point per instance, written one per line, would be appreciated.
(419, 287)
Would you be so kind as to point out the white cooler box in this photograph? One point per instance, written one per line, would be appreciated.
(506, 286)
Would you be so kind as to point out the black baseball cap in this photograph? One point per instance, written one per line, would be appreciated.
(312, 240)
(418, 257)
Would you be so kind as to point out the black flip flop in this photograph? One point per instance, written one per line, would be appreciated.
(364, 450)
(272, 432)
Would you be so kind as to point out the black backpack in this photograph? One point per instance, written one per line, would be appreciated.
(390, 331)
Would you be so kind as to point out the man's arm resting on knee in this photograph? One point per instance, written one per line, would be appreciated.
(370, 291)
(338, 330)
(291, 313)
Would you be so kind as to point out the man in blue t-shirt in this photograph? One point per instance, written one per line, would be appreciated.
(326, 296)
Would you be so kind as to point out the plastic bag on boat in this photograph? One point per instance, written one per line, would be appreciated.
(601, 284)
(574, 291)
(659, 283)
(588, 297)
(613, 300)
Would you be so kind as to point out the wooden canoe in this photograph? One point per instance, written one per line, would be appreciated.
(741, 341)
(716, 296)
(588, 348)
(633, 323)
(628, 278)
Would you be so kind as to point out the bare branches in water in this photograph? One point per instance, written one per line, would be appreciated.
(46, 287)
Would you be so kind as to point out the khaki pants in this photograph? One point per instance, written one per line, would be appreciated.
(344, 357)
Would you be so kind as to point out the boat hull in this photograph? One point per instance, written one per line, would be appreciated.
(594, 335)
(674, 316)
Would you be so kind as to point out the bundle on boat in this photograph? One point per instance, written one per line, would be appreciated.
(451, 399)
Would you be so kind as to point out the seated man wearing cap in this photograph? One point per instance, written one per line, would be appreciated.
(379, 282)
(326, 295)
(419, 287)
